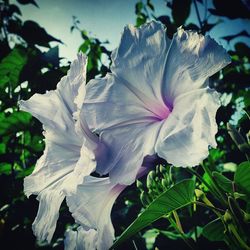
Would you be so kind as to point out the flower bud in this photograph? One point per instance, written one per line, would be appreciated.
(199, 194)
(139, 184)
(165, 183)
(227, 218)
(144, 199)
(246, 217)
(150, 179)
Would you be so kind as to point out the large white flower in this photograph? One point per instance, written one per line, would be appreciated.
(70, 149)
(156, 100)
(70, 156)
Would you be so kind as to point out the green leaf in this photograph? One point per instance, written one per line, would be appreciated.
(5, 168)
(214, 230)
(138, 8)
(224, 183)
(11, 66)
(33, 34)
(178, 196)
(25, 172)
(28, 2)
(242, 177)
(180, 11)
(14, 122)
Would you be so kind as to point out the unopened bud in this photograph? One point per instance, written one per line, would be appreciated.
(139, 184)
(144, 199)
(150, 179)
(227, 218)
(162, 169)
(246, 217)
(238, 139)
(199, 194)
(165, 183)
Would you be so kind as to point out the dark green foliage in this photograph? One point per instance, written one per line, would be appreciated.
(180, 11)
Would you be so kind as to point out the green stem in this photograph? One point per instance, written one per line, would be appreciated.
(199, 177)
(237, 236)
(178, 222)
(215, 209)
(214, 184)
(172, 222)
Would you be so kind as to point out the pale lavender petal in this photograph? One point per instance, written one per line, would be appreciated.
(191, 59)
(190, 128)
(126, 127)
(139, 59)
(45, 222)
(91, 207)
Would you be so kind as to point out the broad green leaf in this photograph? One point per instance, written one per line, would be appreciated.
(178, 196)
(214, 230)
(242, 177)
(224, 183)
(14, 122)
(11, 66)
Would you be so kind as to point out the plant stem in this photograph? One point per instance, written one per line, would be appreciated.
(198, 14)
(199, 177)
(172, 222)
(215, 209)
(178, 222)
(214, 184)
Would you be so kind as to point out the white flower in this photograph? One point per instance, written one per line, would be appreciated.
(156, 100)
(64, 169)
(70, 146)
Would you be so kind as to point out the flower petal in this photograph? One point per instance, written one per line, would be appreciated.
(81, 239)
(190, 128)
(91, 207)
(45, 222)
(191, 59)
(114, 118)
(139, 58)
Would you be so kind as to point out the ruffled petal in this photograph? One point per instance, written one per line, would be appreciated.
(190, 60)
(139, 58)
(91, 207)
(56, 107)
(45, 222)
(190, 128)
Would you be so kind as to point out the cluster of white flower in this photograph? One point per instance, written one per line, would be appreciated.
(155, 103)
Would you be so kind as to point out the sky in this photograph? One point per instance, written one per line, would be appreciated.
(103, 19)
